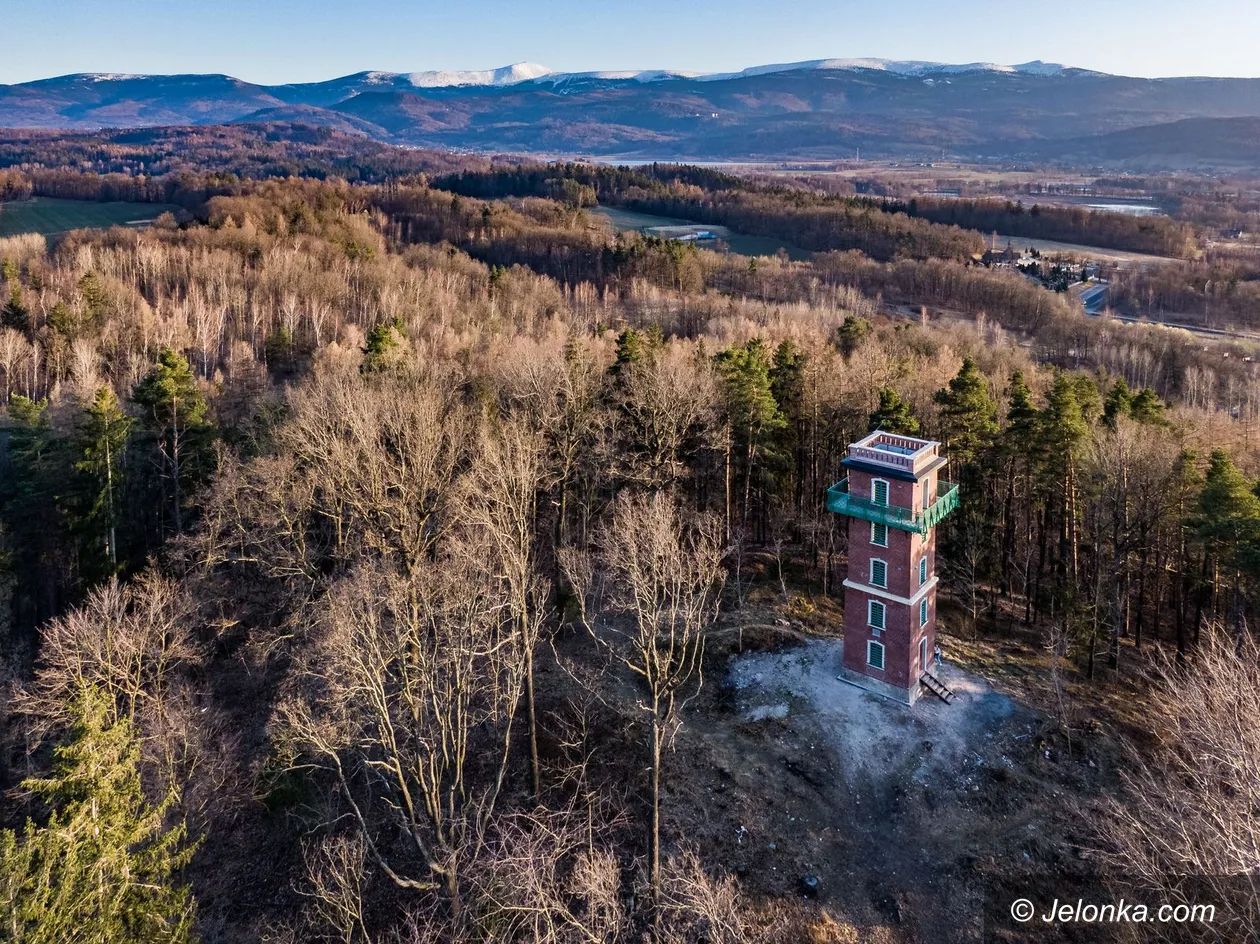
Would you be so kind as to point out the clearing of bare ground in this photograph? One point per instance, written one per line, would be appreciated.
(917, 822)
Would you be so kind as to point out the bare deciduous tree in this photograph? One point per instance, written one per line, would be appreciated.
(665, 576)
(336, 872)
(547, 877)
(409, 698)
(360, 470)
(497, 512)
(668, 404)
(1187, 824)
(697, 907)
(125, 640)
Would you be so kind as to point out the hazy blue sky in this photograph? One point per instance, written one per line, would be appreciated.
(288, 40)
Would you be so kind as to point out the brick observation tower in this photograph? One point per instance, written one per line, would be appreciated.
(894, 498)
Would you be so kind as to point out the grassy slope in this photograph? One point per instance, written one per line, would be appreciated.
(49, 216)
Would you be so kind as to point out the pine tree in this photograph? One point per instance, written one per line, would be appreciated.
(851, 333)
(95, 299)
(15, 314)
(1022, 415)
(635, 346)
(1228, 518)
(893, 415)
(1088, 399)
(1185, 486)
(968, 414)
(176, 412)
(1022, 452)
(63, 321)
(969, 427)
(1064, 432)
(385, 348)
(30, 492)
(102, 869)
(1118, 402)
(787, 385)
(1147, 407)
(752, 412)
(100, 442)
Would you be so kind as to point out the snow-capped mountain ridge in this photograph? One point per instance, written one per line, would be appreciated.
(816, 109)
(519, 73)
(912, 67)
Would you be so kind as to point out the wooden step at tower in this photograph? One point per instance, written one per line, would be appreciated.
(937, 687)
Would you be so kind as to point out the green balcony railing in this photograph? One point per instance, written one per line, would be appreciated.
(842, 503)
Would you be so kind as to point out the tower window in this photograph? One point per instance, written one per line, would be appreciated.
(922, 570)
(923, 612)
(879, 491)
(875, 654)
(875, 613)
(879, 534)
(879, 573)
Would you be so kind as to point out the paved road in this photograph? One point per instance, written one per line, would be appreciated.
(1094, 300)
(1193, 329)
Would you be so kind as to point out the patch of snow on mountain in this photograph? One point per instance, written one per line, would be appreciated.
(911, 67)
(506, 75)
(622, 75)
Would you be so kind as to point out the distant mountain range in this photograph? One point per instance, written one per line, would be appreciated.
(820, 109)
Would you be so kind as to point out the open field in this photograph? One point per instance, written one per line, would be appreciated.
(49, 216)
(928, 175)
(1095, 253)
(670, 228)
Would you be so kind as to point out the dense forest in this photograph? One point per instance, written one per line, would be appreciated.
(811, 221)
(371, 554)
(275, 149)
(1158, 235)
(1221, 290)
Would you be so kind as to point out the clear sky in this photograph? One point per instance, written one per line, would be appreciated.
(270, 41)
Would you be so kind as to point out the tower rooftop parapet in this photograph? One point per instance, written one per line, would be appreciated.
(904, 456)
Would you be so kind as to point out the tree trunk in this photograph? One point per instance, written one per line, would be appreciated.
(454, 896)
(534, 763)
(179, 498)
(654, 840)
(726, 484)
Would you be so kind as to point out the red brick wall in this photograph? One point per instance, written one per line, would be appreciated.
(902, 632)
(900, 637)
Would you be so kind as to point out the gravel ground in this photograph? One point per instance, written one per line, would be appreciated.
(874, 735)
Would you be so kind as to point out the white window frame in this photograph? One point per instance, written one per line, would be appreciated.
(875, 483)
(879, 583)
(923, 612)
(883, 543)
(923, 655)
(870, 614)
(871, 647)
(923, 570)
